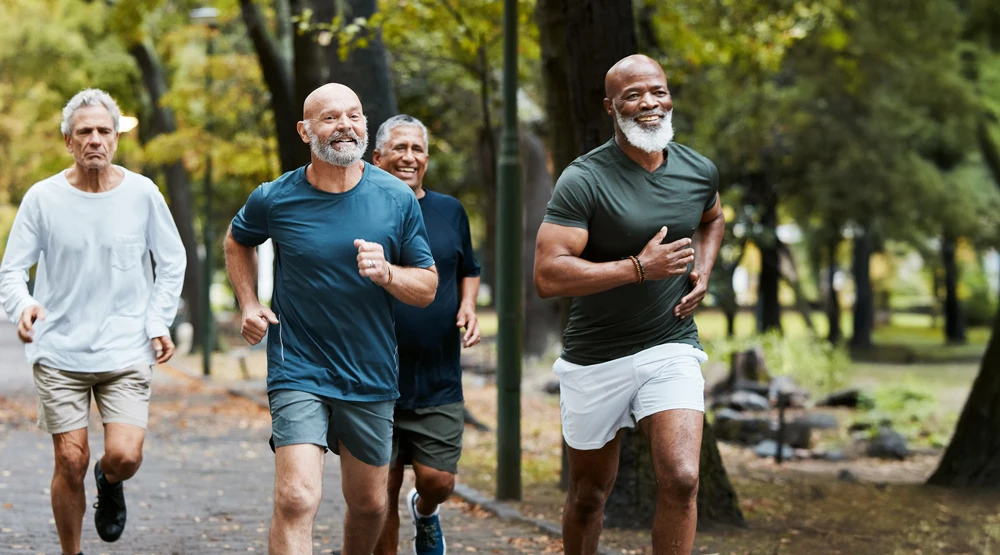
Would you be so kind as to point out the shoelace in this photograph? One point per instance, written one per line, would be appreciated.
(109, 495)
(427, 534)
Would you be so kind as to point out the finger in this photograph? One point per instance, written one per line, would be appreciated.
(679, 244)
(168, 351)
(269, 315)
(358, 243)
(660, 235)
(694, 276)
(462, 320)
(472, 336)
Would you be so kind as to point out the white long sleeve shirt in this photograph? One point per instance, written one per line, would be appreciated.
(95, 277)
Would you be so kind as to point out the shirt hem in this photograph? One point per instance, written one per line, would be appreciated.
(333, 394)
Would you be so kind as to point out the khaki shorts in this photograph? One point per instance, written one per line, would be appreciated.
(64, 397)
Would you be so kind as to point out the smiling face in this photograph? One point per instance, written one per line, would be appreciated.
(92, 139)
(404, 155)
(640, 102)
(335, 125)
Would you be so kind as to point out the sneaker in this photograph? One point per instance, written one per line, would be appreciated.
(428, 538)
(109, 516)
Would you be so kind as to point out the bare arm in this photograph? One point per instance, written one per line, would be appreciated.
(707, 239)
(409, 285)
(241, 264)
(467, 311)
(560, 272)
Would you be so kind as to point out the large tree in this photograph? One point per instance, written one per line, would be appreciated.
(574, 73)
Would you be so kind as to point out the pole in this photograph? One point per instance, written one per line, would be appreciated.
(509, 302)
(207, 343)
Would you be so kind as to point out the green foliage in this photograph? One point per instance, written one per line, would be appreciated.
(980, 303)
(813, 363)
(910, 408)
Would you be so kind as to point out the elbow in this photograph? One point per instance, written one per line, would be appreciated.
(544, 286)
(427, 299)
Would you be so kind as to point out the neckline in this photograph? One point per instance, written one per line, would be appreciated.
(65, 184)
(364, 179)
(635, 165)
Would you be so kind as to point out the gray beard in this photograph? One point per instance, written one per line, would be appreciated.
(324, 149)
(647, 140)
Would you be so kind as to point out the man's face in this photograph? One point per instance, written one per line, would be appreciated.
(404, 155)
(92, 139)
(339, 132)
(642, 108)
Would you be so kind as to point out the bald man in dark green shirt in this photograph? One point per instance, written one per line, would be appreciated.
(631, 234)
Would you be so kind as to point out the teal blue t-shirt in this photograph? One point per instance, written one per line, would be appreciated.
(336, 336)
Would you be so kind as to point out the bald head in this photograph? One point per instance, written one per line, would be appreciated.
(636, 67)
(329, 94)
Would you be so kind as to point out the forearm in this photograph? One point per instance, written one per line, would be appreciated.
(171, 262)
(20, 255)
(572, 276)
(241, 265)
(470, 292)
(706, 242)
(413, 286)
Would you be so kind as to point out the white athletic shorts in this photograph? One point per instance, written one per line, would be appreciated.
(598, 400)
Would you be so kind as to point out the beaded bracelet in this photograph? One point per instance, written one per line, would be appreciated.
(639, 270)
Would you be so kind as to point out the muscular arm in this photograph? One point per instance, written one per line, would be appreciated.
(241, 264)
(560, 272)
(708, 238)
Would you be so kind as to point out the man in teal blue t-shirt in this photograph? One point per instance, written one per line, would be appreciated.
(350, 242)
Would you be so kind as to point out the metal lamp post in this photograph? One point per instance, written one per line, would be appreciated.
(207, 16)
(508, 260)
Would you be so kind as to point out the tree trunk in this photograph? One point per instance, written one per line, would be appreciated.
(366, 70)
(954, 317)
(832, 299)
(717, 501)
(162, 121)
(768, 304)
(972, 459)
(793, 281)
(277, 72)
(542, 317)
(730, 323)
(864, 301)
(309, 64)
(487, 160)
(574, 73)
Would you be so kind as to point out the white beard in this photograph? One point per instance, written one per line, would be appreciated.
(647, 140)
(324, 149)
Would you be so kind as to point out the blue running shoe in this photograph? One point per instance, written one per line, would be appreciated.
(428, 538)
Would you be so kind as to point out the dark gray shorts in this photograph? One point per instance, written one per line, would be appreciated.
(431, 436)
(365, 428)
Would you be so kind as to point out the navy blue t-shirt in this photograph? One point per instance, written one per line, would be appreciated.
(430, 370)
(335, 337)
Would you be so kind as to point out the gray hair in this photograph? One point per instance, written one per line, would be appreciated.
(89, 97)
(386, 128)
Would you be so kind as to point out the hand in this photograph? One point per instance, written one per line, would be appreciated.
(164, 348)
(26, 325)
(372, 262)
(256, 318)
(694, 298)
(467, 319)
(663, 261)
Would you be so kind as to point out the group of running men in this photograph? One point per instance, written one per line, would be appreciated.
(375, 292)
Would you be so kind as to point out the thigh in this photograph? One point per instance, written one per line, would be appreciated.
(361, 482)
(674, 441)
(434, 436)
(123, 395)
(670, 378)
(594, 470)
(298, 468)
(72, 451)
(298, 417)
(63, 399)
(364, 429)
(594, 401)
(124, 438)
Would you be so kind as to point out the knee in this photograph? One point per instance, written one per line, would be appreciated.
(72, 465)
(680, 484)
(588, 498)
(369, 506)
(124, 463)
(295, 501)
(437, 488)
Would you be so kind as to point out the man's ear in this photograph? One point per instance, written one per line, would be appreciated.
(376, 156)
(301, 128)
(609, 107)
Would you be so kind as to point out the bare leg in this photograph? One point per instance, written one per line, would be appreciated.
(298, 487)
(433, 487)
(69, 499)
(675, 443)
(364, 489)
(591, 476)
(388, 542)
(122, 451)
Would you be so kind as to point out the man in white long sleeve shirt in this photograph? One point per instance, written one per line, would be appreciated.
(98, 320)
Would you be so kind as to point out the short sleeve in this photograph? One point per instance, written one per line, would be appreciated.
(469, 267)
(250, 226)
(415, 249)
(572, 202)
(713, 181)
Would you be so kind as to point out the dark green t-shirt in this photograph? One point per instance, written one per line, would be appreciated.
(623, 206)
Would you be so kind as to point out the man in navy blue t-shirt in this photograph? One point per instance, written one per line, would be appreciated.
(429, 416)
(350, 243)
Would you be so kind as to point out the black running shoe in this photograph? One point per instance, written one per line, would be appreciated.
(109, 516)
